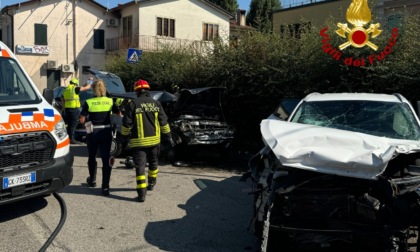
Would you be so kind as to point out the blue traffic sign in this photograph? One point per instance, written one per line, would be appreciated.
(133, 55)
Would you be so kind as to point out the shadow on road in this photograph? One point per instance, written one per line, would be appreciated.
(79, 150)
(84, 189)
(21, 208)
(217, 219)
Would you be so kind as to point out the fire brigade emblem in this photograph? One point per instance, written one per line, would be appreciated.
(358, 14)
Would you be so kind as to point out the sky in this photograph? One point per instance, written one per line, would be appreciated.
(243, 4)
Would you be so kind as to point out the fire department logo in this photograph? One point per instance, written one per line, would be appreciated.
(358, 14)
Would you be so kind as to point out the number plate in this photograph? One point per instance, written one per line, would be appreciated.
(19, 180)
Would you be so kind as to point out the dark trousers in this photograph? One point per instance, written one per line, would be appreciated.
(102, 139)
(72, 118)
(140, 157)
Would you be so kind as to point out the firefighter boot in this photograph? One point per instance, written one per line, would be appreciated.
(142, 194)
(151, 183)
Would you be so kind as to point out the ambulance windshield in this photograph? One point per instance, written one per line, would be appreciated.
(15, 88)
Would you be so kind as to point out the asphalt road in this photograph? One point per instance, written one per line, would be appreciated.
(195, 208)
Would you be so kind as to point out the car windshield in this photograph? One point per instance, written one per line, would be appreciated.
(385, 119)
(15, 88)
(113, 83)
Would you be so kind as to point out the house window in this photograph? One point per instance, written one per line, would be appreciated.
(99, 39)
(41, 34)
(210, 31)
(85, 69)
(165, 27)
(127, 26)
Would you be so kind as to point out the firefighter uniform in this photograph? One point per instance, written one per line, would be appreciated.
(99, 109)
(143, 122)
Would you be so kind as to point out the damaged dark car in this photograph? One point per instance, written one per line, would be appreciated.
(197, 121)
(342, 171)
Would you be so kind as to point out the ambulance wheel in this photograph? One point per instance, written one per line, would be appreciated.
(116, 147)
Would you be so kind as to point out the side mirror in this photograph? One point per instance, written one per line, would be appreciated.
(48, 94)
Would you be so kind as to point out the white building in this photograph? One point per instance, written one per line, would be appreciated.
(57, 40)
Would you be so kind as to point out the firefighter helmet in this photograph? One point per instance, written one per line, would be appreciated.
(141, 84)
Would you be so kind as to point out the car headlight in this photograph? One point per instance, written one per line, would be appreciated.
(60, 130)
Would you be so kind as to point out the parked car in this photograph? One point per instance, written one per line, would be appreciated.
(112, 81)
(197, 120)
(114, 85)
(342, 171)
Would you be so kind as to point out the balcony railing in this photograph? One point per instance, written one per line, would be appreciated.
(296, 3)
(153, 43)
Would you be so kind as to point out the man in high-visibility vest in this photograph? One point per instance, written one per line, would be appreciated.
(143, 122)
(71, 104)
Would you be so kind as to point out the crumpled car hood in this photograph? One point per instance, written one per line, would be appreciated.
(332, 151)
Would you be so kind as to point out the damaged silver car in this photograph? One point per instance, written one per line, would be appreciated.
(343, 171)
(198, 120)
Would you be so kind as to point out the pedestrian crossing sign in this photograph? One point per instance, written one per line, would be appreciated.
(133, 55)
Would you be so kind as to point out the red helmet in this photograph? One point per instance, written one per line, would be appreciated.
(141, 84)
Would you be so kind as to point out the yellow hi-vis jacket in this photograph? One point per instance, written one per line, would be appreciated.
(99, 104)
(71, 99)
(145, 119)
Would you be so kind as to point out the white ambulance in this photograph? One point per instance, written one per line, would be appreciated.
(35, 158)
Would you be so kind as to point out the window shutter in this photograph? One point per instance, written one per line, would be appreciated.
(99, 39)
(172, 28)
(165, 27)
(41, 34)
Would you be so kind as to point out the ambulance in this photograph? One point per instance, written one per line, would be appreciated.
(35, 157)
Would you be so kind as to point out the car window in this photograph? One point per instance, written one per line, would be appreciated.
(58, 92)
(393, 120)
(15, 88)
(113, 83)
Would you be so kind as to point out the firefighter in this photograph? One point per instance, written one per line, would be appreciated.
(71, 103)
(99, 134)
(143, 122)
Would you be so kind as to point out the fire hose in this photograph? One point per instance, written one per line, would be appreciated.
(60, 224)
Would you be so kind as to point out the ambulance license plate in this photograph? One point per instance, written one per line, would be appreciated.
(18, 180)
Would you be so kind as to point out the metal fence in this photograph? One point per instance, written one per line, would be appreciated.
(295, 3)
(154, 43)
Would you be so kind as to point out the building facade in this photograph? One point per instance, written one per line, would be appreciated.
(153, 24)
(316, 12)
(57, 40)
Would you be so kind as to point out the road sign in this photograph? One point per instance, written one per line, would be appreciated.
(133, 55)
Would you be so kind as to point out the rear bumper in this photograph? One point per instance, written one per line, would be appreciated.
(50, 178)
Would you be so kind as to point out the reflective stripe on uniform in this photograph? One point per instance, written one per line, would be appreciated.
(141, 181)
(157, 126)
(125, 131)
(165, 129)
(141, 140)
(153, 173)
(140, 128)
(145, 142)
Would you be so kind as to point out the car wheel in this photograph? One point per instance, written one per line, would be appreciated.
(116, 147)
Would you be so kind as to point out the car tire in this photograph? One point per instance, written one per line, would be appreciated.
(116, 147)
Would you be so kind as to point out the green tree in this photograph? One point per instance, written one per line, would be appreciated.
(260, 14)
(262, 68)
(229, 5)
